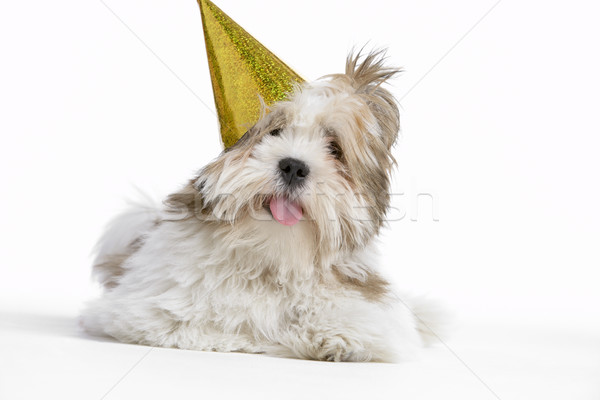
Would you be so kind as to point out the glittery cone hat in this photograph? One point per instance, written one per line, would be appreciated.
(241, 69)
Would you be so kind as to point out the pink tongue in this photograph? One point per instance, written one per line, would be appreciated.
(286, 212)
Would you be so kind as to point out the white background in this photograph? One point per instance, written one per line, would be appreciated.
(499, 124)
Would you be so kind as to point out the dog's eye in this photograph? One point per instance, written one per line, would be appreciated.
(275, 132)
(335, 149)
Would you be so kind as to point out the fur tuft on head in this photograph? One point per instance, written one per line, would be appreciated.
(367, 73)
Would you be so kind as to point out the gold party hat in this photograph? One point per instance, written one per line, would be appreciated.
(241, 69)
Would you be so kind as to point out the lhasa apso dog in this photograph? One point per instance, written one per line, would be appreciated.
(270, 248)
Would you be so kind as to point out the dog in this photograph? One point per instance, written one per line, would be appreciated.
(271, 247)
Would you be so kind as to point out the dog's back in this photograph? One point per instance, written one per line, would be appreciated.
(123, 235)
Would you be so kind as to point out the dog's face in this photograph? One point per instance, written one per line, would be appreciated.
(315, 168)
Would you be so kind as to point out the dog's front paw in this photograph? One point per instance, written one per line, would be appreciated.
(337, 347)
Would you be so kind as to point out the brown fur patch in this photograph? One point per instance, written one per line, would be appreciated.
(373, 288)
(186, 203)
(267, 123)
(111, 267)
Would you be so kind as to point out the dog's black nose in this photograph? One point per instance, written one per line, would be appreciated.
(293, 171)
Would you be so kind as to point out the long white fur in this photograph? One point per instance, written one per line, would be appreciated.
(181, 276)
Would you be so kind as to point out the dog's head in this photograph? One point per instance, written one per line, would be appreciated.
(315, 168)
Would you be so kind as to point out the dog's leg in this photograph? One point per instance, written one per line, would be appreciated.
(352, 329)
(140, 322)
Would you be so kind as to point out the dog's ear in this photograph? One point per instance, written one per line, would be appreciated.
(367, 74)
(186, 203)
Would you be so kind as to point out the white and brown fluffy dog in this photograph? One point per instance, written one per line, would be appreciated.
(269, 249)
